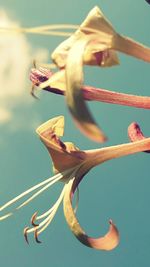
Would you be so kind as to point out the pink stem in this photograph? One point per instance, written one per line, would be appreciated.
(102, 95)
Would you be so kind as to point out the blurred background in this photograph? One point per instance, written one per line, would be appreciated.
(118, 189)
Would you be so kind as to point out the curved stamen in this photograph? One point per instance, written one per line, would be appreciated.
(38, 192)
(44, 224)
(9, 203)
(25, 231)
(33, 218)
(36, 237)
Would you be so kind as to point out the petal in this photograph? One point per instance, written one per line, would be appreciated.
(98, 156)
(107, 242)
(96, 23)
(74, 96)
(64, 155)
(56, 81)
(106, 37)
(135, 133)
(130, 47)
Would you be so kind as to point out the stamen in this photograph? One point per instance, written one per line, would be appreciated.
(33, 218)
(59, 175)
(38, 192)
(51, 213)
(32, 92)
(36, 236)
(25, 231)
(5, 216)
(34, 63)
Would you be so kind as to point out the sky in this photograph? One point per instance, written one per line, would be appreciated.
(118, 189)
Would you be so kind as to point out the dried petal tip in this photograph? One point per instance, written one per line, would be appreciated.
(25, 232)
(135, 133)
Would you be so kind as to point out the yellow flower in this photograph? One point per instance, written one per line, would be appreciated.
(94, 43)
(70, 166)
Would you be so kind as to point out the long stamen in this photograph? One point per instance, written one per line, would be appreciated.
(39, 192)
(45, 222)
(51, 212)
(36, 236)
(33, 218)
(54, 212)
(59, 175)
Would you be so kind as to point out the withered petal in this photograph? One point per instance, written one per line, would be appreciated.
(74, 95)
(135, 133)
(64, 155)
(107, 242)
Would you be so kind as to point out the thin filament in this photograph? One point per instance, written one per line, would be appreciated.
(39, 192)
(49, 30)
(51, 213)
(59, 175)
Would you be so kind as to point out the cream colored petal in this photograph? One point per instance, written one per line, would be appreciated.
(130, 47)
(97, 21)
(107, 242)
(97, 25)
(74, 95)
(64, 155)
(57, 80)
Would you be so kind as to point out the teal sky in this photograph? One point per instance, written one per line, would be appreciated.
(118, 189)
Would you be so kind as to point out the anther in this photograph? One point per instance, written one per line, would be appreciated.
(36, 236)
(33, 218)
(25, 231)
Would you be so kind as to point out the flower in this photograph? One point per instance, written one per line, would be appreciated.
(94, 43)
(55, 83)
(70, 166)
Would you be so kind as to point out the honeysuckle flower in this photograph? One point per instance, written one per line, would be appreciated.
(70, 166)
(94, 43)
(55, 83)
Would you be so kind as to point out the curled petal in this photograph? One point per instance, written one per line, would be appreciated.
(74, 96)
(107, 242)
(64, 155)
(95, 23)
(135, 133)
